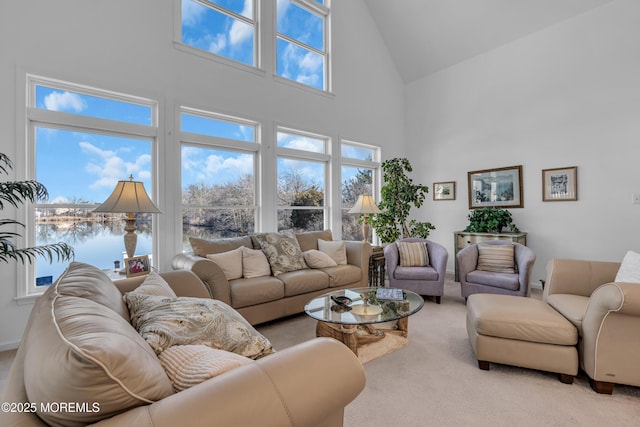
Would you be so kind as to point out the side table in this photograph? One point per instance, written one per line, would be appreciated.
(377, 267)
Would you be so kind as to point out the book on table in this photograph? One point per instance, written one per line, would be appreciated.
(391, 294)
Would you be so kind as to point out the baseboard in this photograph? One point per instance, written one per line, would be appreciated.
(9, 346)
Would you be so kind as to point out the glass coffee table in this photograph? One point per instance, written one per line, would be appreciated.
(364, 319)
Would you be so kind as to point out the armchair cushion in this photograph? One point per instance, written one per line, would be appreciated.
(629, 271)
(413, 254)
(496, 258)
(491, 278)
(416, 273)
(164, 322)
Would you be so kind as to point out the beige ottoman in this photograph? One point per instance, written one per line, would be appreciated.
(523, 332)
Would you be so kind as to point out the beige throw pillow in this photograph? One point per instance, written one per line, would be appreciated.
(229, 262)
(254, 263)
(629, 271)
(154, 284)
(317, 259)
(336, 249)
(189, 365)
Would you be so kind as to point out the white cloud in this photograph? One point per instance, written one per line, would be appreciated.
(191, 13)
(64, 101)
(218, 43)
(239, 30)
(111, 168)
(229, 166)
(306, 144)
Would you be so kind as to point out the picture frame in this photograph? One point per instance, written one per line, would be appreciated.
(444, 190)
(137, 266)
(498, 188)
(560, 184)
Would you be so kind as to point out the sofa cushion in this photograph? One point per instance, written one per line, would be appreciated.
(337, 250)
(496, 258)
(413, 254)
(230, 263)
(254, 263)
(78, 350)
(343, 275)
(309, 239)
(246, 292)
(303, 281)
(318, 259)
(572, 307)
(629, 271)
(154, 284)
(189, 365)
(283, 251)
(164, 322)
(202, 247)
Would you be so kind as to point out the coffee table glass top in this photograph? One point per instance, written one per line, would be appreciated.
(363, 308)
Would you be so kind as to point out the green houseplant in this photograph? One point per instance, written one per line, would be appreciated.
(15, 193)
(398, 195)
(490, 220)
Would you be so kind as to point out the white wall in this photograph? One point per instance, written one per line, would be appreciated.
(568, 95)
(127, 46)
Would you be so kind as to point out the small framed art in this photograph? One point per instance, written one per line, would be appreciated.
(560, 184)
(444, 190)
(137, 266)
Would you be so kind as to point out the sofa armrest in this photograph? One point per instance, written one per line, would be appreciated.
(208, 271)
(303, 385)
(358, 254)
(183, 282)
(577, 277)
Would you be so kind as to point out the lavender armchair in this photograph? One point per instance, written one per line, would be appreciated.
(421, 280)
(474, 281)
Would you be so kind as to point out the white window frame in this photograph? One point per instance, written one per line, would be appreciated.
(323, 11)
(255, 23)
(219, 143)
(37, 117)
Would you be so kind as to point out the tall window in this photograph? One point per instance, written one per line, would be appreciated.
(223, 27)
(302, 174)
(360, 170)
(83, 140)
(302, 53)
(219, 161)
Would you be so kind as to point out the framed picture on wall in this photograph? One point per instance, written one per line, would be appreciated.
(560, 184)
(444, 190)
(137, 265)
(499, 188)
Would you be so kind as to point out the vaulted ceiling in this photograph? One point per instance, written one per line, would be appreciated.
(425, 36)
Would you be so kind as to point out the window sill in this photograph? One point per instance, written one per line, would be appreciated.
(219, 59)
(293, 83)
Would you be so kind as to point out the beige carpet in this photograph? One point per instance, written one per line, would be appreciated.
(435, 381)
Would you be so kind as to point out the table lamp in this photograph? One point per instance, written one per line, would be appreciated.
(129, 197)
(365, 205)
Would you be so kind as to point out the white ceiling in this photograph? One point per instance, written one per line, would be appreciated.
(425, 36)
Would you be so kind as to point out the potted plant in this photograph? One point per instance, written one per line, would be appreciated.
(490, 220)
(15, 193)
(398, 195)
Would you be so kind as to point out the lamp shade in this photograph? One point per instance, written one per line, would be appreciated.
(365, 205)
(128, 196)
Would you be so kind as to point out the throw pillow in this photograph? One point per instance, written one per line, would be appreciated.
(496, 258)
(188, 365)
(630, 268)
(282, 251)
(413, 254)
(336, 249)
(154, 284)
(229, 262)
(164, 322)
(254, 263)
(317, 259)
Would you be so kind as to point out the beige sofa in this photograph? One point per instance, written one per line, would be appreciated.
(261, 299)
(81, 362)
(606, 315)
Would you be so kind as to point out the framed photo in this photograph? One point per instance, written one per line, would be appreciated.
(560, 184)
(444, 190)
(499, 188)
(137, 265)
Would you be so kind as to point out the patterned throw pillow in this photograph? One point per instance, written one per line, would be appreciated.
(189, 365)
(413, 254)
(282, 250)
(496, 258)
(164, 322)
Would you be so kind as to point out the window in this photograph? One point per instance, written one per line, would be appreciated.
(83, 141)
(302, 169)
(301, 42)
(360, 170)
(218, 173)
(222, 27)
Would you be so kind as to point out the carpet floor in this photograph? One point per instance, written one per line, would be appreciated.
(435, 380)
